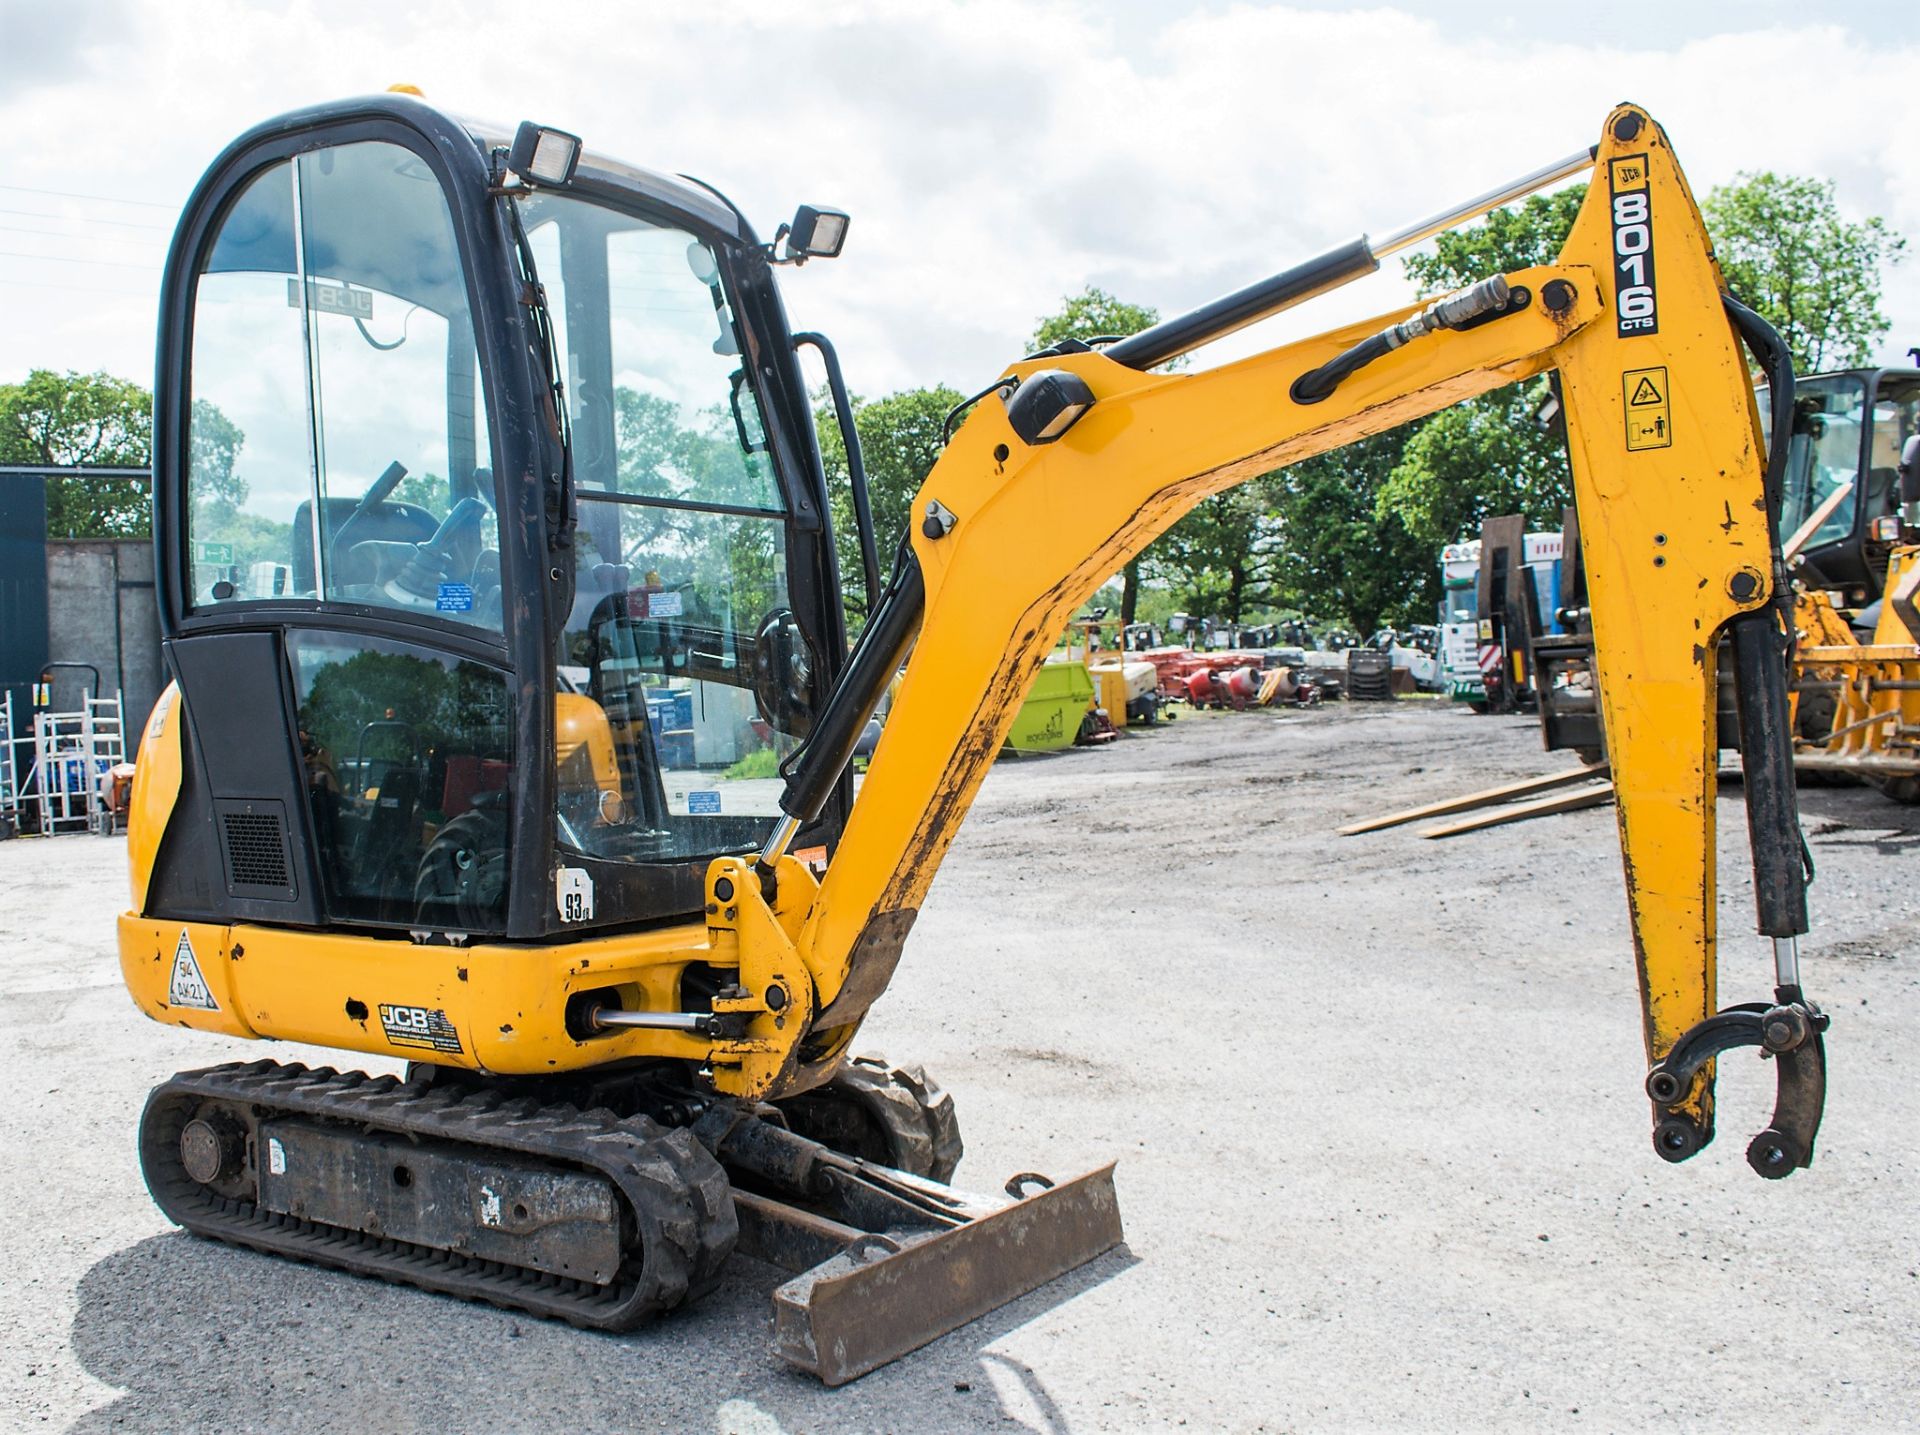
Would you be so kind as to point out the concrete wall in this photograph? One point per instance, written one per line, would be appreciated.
(101, 610)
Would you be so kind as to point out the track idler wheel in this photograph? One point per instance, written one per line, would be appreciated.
(895, 1115)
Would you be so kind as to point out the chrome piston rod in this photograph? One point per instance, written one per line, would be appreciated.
(694, 1021)
(1506, 194)
(1354, 260)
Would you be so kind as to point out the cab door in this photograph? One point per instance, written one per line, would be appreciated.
(339, 556)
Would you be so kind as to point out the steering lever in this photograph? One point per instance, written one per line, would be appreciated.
(1788, 1030)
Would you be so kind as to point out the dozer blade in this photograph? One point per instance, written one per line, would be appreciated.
(884, 1295)
(881, 1297)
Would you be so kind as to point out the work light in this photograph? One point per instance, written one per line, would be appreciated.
(1047, 404)
(543, 155)
(816, 232)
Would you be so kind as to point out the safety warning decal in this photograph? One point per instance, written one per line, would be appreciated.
(1634, 299)
(188, 988)
(1649, 408)
(418, 1026)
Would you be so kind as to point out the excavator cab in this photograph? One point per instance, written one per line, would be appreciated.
(493, 535)
(497, 579)
(1841, 500)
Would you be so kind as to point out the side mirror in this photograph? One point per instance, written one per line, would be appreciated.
(783, 669)
(816, 233)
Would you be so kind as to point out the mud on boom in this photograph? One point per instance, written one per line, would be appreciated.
(484, 670)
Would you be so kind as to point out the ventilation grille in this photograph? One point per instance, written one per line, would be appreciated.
(253, 836)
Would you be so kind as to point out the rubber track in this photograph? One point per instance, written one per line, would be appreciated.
(677, 1196)
(917, 1114)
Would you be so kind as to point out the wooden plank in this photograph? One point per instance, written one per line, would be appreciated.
(1472, 800)
(1596, 796)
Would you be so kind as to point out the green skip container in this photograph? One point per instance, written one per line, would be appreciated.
(1050, 717)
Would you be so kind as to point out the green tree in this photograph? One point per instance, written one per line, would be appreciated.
(1091, 314)
(90, 419)
(1486, 456)
(1529, 233)
(428, 490)
(1470, 462)
(1338, 555)
(667, 450)
(900, 437)
(1787, 252)
(1220, 560)
(1095, 314)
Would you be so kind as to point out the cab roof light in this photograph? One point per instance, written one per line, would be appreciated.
(542, 155)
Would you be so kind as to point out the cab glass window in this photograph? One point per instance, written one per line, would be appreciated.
(1823, 465)
(338, 443)
(659, 394)
(409, 768)
(691, 683)
(689, 679)
(1896, 415)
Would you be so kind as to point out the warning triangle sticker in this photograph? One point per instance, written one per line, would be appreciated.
(1646, 393)
(187, 987)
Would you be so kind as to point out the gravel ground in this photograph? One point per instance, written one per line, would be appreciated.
(1383, 1160)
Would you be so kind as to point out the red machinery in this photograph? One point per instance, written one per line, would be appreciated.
(1212, 687)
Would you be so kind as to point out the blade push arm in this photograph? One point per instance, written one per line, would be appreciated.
(1017, 534)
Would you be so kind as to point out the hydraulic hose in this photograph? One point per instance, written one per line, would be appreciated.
(1777, 360)
(1487, 299)
(1317, 384)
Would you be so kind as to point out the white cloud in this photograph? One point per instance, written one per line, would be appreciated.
(996, 156)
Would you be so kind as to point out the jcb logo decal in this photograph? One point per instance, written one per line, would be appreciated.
(1634, 301)
(418, 1026)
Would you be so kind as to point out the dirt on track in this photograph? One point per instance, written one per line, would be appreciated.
(1384, 1160)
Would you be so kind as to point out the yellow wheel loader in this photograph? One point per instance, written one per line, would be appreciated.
(1851, 515)
(514, 705)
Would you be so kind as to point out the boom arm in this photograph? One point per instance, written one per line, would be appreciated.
(1668, 475)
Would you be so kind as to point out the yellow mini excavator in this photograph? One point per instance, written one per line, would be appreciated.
(514, 702)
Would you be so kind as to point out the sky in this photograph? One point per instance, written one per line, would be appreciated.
(996, 156)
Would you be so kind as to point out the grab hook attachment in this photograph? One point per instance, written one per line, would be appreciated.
(1789, 1030)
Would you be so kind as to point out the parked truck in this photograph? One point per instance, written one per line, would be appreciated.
(1468, 645)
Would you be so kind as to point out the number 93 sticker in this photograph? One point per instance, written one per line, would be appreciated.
(1633, 247)
(573, 894)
